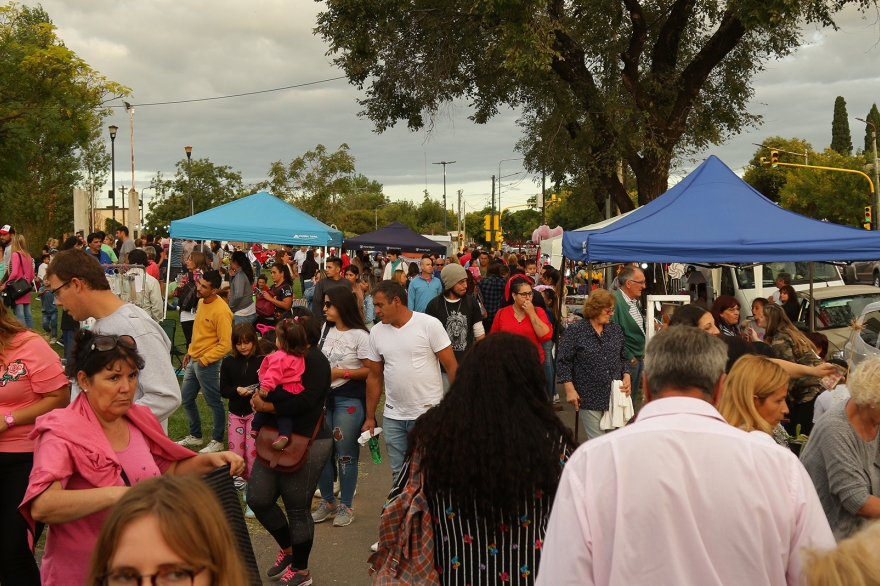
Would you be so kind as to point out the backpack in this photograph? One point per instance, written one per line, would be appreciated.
(187, 294)
(405, 555)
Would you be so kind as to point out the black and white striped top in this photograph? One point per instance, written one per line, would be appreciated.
(473, 552)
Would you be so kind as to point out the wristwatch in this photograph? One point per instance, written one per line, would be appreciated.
(10, 420)
(346, 375)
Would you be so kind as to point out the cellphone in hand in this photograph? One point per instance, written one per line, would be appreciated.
(253, 388)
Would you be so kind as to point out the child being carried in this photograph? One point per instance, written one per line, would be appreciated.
(281, 376)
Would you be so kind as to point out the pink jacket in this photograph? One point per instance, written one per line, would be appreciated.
(70, 447)
(281, 368)
(21, 267)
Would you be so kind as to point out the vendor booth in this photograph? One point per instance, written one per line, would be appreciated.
(395, 236)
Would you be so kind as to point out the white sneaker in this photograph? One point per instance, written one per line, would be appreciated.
(213, 446)
(317, 493)
(191, 441)
(375, 547)
(53, 340)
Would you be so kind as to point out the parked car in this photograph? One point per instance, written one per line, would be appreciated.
(867, 342)
(836, 308)
(862, 272)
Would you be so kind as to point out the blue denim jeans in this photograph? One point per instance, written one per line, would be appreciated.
(549, 369)
(67, 340)
(206, 378)
(50, 324)
(23, 314)
(345, 421)
(395, 431)
(237, 319)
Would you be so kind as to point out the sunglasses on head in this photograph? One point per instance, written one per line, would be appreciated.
(106, 343)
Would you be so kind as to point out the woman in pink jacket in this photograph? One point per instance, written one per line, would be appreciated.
(87, 455)
(21, 266)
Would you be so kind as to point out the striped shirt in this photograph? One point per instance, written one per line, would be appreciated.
(473, 552)
(634, 310)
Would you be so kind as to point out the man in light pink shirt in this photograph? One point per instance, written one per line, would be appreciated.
(681, 497)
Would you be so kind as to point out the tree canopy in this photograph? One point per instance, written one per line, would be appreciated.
(600, 84)
(873, 117)
(841, 139)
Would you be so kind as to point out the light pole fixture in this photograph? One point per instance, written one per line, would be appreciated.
(876, 171)
(377, 212)
(189, 198)
(444, 163)
(113, 130)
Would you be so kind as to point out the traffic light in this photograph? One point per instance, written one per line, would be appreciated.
(497, 222)
(868, 218)
(488, 236)
(764, 161)
(487, 222)
(774, 158)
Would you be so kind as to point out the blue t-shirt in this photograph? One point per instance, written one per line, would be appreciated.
(47, 300)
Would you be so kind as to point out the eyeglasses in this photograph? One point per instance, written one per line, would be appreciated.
(166, 576)
(107, 343)
(639, 282)
(59, 288)
(609, 310)
(327, 304)
(525, 294)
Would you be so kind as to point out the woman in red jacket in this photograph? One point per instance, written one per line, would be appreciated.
(520, 316)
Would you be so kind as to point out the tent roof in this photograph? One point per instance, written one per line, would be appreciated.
(713, 216)
(260, 217)
(394, 235)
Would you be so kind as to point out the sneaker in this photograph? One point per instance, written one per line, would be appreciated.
(375, 547)
(191, 441)
(344, 516)
(323, 512)
(317, 493)
(281, 565)
(248, 512)
(240, 483)
(556, 399)
(213, 446)
(53, 340)
(294, 578)
(60, 343)
(279, 443)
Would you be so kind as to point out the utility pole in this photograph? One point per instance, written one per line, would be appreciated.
(876, 171)
(130, 109)
(543, 198)
(113, 130)
(459, 213)
(492, 215)
(444, 163)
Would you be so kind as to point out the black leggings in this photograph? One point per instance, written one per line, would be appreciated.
(187, 327)
(296, 490)
(17, 564)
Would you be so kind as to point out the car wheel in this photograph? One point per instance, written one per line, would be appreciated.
(876, 279)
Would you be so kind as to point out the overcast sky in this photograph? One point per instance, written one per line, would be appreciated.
(169, 50)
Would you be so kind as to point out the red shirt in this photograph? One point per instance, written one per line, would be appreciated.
(464, 260)
(345, 261)
(152, 269)
(505, 321)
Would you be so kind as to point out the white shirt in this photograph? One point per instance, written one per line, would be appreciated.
(346, 350)
(828, 399)
(299, 257)
(412, 371)
(682, 498)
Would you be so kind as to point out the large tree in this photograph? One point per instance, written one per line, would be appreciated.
(841, 138)
(874, 118)
(600, 84)
(51, 103)
(212, 185)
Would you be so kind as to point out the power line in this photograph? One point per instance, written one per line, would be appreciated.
(277, 89)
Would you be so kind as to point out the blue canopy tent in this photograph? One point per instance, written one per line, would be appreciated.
(712, 216)
(260, 217)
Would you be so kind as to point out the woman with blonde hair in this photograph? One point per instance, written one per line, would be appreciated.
(790, 344)
(21, 266)
(400, 277)
(754, 395)
(196, 266)
(853, 562)
(189, 540)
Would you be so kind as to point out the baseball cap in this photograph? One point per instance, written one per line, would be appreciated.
(6, 229)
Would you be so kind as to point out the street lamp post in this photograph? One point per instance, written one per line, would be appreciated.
(377, 212)
(876, 170)
(444, 163)
(189, 198)
(113, 130)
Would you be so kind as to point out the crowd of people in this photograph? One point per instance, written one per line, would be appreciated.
(730, 461)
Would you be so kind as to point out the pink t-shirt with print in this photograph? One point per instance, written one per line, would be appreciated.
(136, 459)
(26, 372)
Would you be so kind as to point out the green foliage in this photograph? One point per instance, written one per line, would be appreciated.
(519, 225)
(764, 178)
(873, 117)
(841, 139)
(50, 106)
(212, 185)
(834, 196)
(599, 84)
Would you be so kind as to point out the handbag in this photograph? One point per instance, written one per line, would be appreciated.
(187, 294)
(16, 288)
(266, 308)
(295, 453)
(405, 555)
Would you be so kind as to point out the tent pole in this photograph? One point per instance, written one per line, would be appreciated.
(167, 282)
(589, 277)
(812, 316)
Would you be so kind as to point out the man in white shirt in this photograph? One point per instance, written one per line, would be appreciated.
(681, 497)
(300, 256)
(404, 353)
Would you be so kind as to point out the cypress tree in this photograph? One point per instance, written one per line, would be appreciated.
(873, 117)
(841, 139)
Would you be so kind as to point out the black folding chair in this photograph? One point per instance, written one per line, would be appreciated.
(169, 326)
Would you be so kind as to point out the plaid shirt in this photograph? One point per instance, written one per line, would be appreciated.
(492, 290)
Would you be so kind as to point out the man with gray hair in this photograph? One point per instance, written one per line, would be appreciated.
(628, 314)
(680, 496)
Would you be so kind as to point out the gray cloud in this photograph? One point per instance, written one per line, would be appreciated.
(167, 50)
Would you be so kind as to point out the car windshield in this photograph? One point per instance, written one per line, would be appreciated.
(871, 333)
(837, 312)
(800, 274)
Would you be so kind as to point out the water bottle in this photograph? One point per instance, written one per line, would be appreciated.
(375, 452)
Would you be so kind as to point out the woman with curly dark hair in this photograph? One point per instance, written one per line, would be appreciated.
(490, 513)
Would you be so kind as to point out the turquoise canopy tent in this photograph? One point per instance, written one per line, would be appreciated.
(260, 217)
